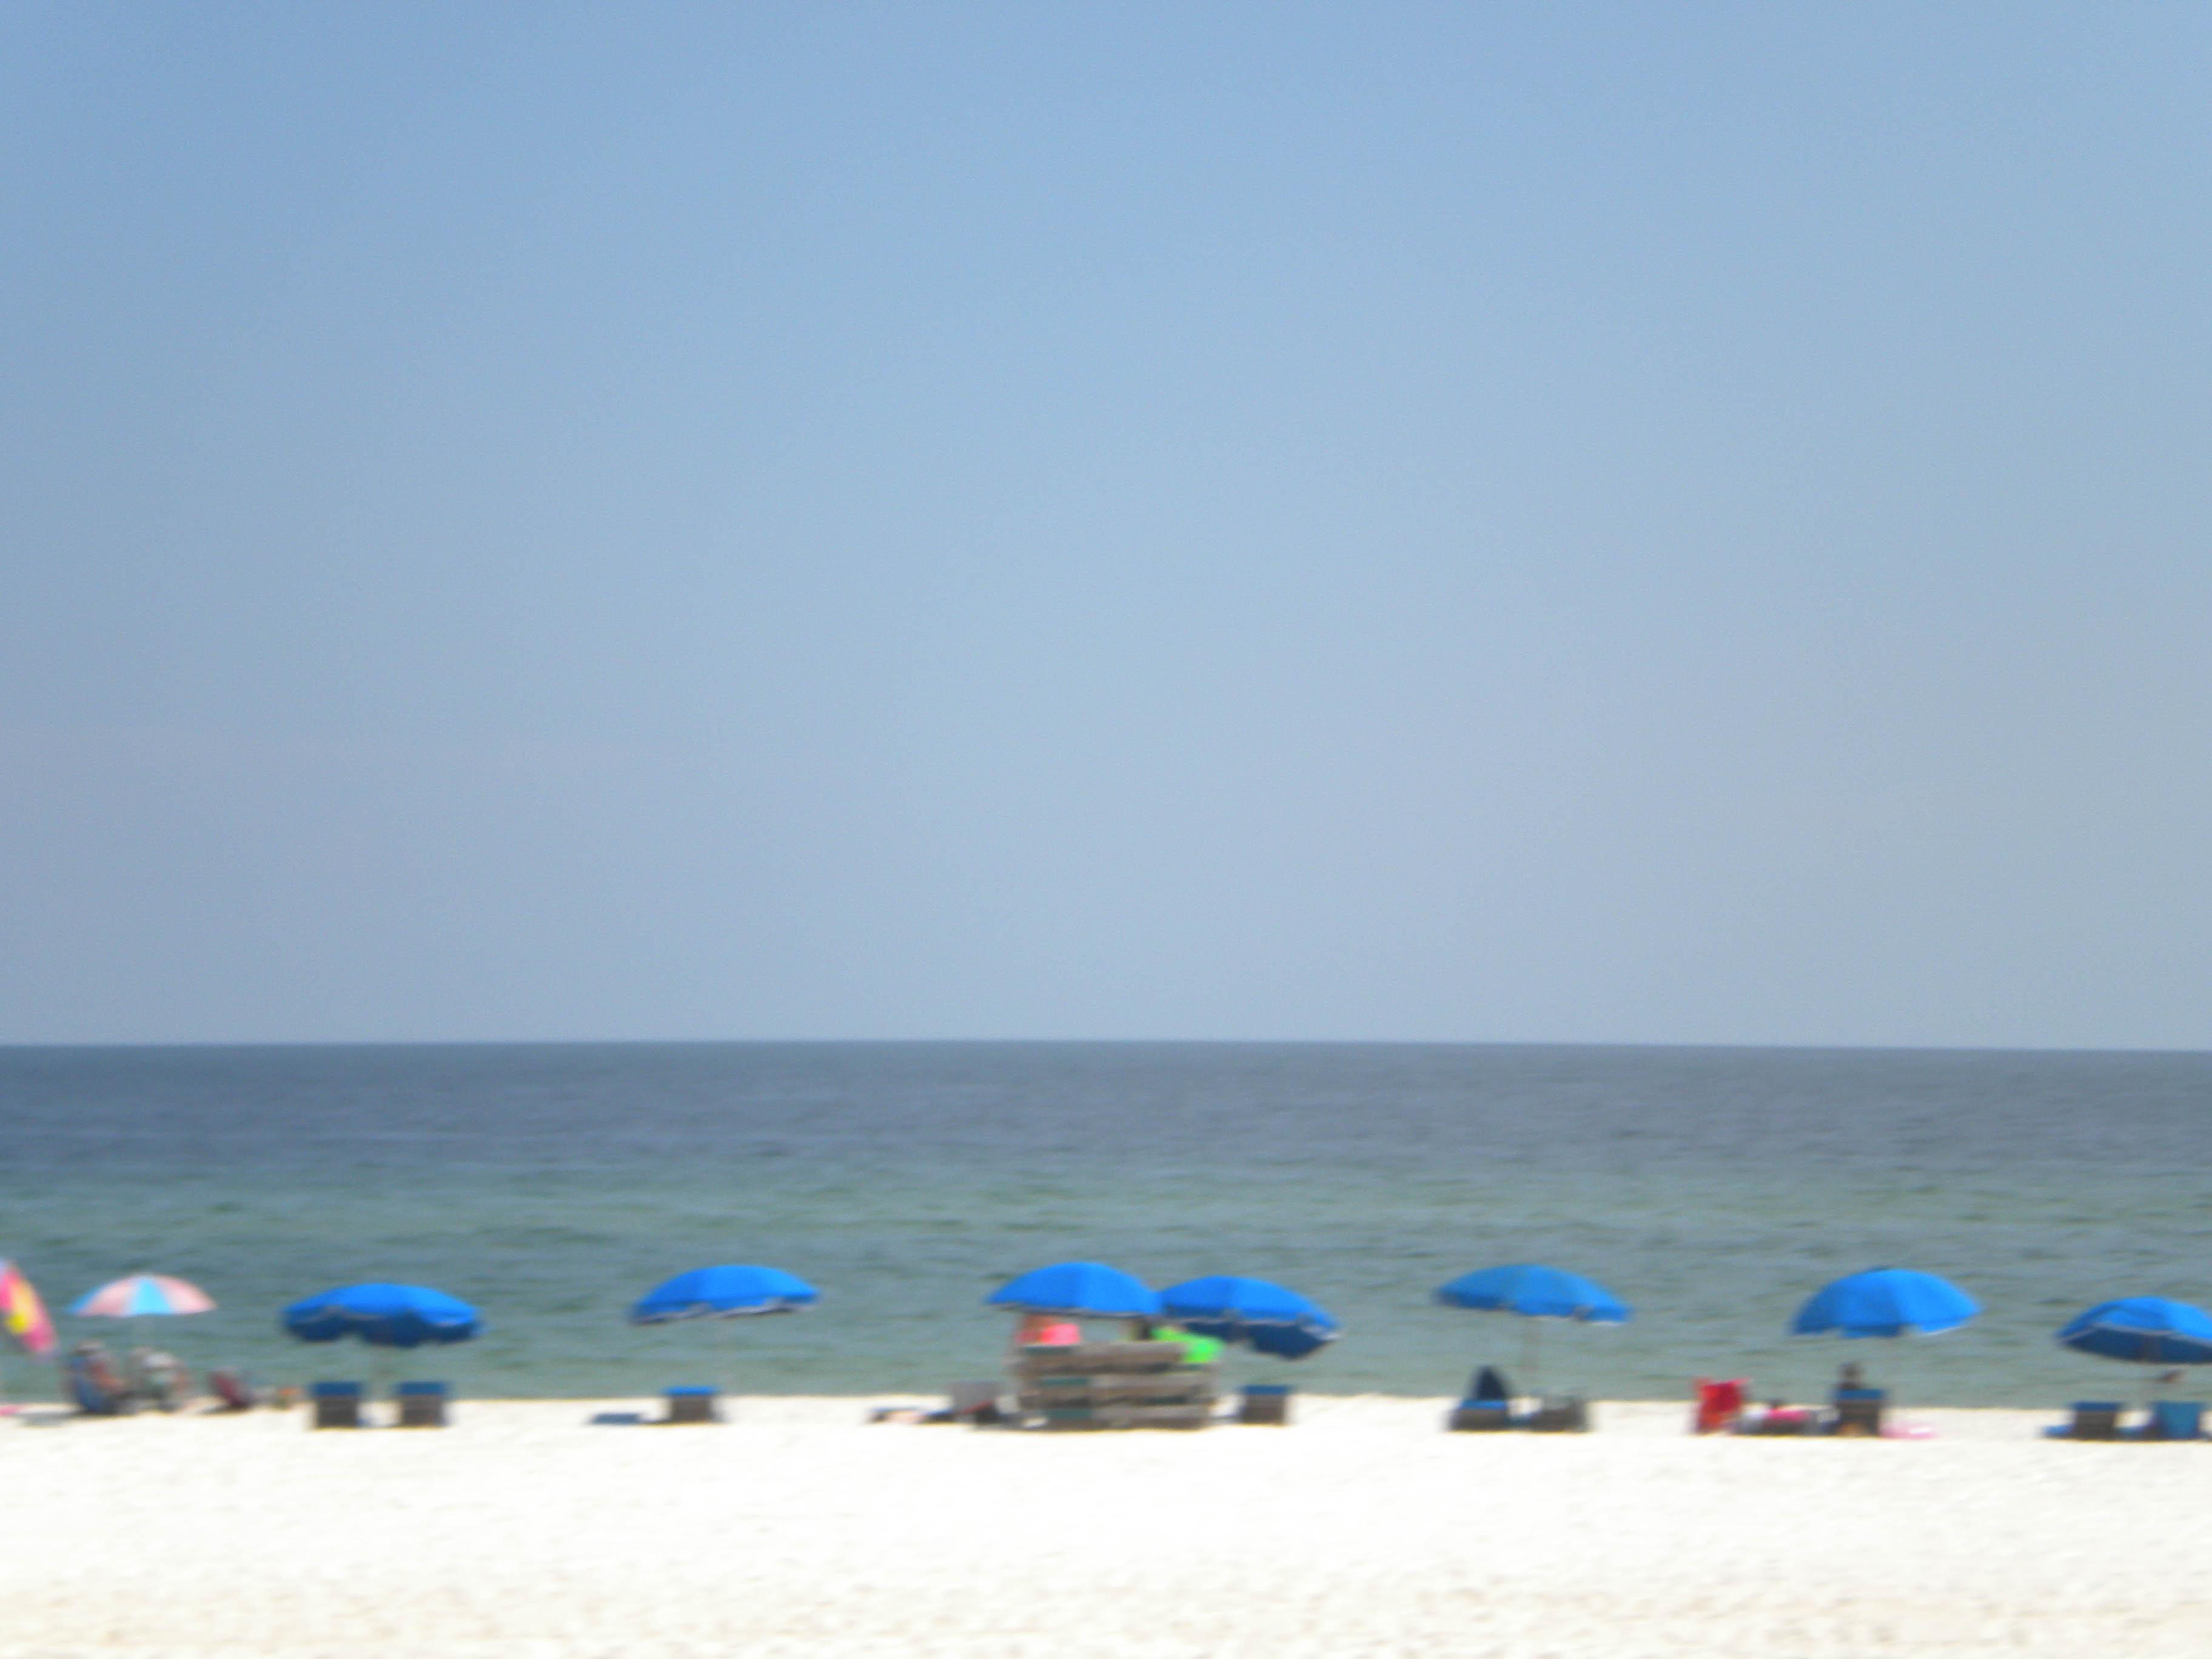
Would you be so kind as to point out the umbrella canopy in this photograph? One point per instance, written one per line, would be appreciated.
(728, 1293)
(1885, 1302)
(2149, 1330)
(1536, 1292)
(1078, 1290)
(387, 1315)
(22, 1315)
(143, 1296)
(1272, 1319)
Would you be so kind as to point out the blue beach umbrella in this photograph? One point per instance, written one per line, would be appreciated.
(1885, 1302)
(384, 1316)
(1267, 1317)
(1536, 1292)
(1078, 1290)
(725, 1292)
(728, 1292)
(2144, 1330)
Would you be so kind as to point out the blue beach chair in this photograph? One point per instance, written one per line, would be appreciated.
(694, 1404)
(336, 1405)
(2175, 1419)
(2093, 1419)
(422, 1405)
(1859, 1411)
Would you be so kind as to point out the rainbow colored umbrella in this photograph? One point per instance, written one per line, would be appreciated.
(143, 1296)
(22, 1315)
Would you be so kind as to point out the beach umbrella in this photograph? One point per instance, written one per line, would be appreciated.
(1267, 1317)
(1885, 1302)
(1078, 1290)
(729, 1292)
(1535, 1292)
(22, 1315)
(725, 1292)
(383, 1316)
(143, 1296)
(2143, 1330)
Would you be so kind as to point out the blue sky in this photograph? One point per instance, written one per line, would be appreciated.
(1490, 524)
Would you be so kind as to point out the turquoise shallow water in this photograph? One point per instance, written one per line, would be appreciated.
(1713, 1188)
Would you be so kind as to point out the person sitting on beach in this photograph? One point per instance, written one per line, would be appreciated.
(98, 1386)
(1047, 1331)
(1196, 1350)
(1849, 1380)
(160, 1378)
(1489, 1388)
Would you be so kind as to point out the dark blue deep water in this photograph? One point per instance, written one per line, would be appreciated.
(1713, 1188)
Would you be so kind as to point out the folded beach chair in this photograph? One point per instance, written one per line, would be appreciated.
(1720, 1405)
(2175, 1419)
(337, 1405)
(422, 1405)
(1858, 1410)
(696, 1404)
(2093, 1419)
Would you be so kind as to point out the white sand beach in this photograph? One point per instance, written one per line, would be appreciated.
(799, 1529)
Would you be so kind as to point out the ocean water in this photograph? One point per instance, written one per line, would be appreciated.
(551, 1185)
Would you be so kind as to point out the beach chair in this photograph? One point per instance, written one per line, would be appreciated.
(1479, 1416)
(422, 1405)
(2175, 1419)
(232, 1392)
(2093, 1419)
(1720, 1405)
(1858, 1410)
(1265, 1403)
(694, 1404)
(335, 1405)
(1561, 1414)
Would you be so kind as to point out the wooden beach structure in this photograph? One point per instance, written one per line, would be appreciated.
(1112, 1385)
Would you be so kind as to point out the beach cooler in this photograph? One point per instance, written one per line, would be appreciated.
(422, 1405)
(1268, 1403)
(694, 1405)
(335, 1405)
(1858, 1410)
(2175, 1419)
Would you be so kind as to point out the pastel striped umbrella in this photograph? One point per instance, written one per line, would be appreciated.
(143, 1296)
